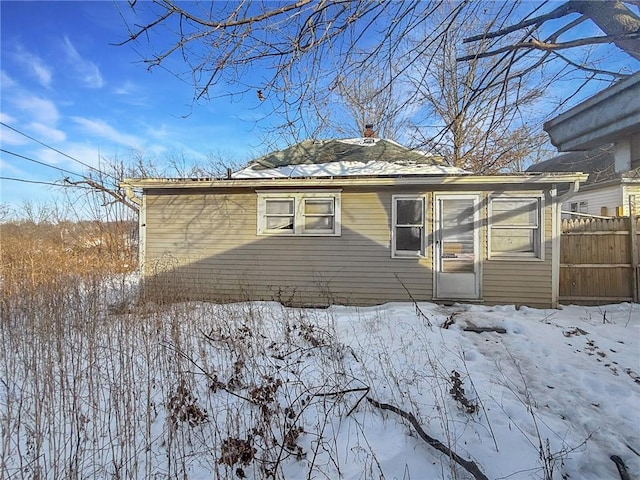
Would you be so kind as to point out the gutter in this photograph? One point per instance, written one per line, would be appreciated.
(522, 179)
(556, 232)
(128, 190)
(573, 189)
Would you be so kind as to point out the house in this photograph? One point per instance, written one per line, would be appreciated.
(606, 192)
(358, 221)
(602, 136)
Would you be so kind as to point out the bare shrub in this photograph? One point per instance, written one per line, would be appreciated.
(183, 407)
(459, 395)
(237, 451)
(42, 255)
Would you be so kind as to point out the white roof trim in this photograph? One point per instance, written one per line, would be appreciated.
(525, 179)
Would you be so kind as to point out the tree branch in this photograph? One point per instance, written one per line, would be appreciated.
(468, 465)
(98, 186)
(144, 28)
(173, 8)
(304, 53)
(622, 468)
(559, 12)
(535, 44)
(554, 36)
(596, 71)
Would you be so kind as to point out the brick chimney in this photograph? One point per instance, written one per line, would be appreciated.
(368, 131)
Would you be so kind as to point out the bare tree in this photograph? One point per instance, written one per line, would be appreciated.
(294, 57)
(484, 131)
(290, 57)
(568, 37)
(619, 23)
(99, 192)
(375, 96)
(433, 104)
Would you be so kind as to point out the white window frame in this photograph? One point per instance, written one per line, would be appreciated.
(581, 206)
(395, 253)
(538, 253)
(299, 197)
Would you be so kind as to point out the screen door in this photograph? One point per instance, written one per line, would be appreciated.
(456, 265)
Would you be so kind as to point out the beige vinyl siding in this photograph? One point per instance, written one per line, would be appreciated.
(203, 244)
(206, 246)
(520, 281)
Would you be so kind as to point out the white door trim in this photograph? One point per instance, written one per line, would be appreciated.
(456, 286)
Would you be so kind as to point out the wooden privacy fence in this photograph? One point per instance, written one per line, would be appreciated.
(599, 261)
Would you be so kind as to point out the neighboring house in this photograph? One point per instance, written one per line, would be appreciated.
(360, 222)
(603, 136)
(606, 193)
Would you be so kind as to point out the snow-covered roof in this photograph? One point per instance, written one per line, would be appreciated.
(355, 161)
(346, 169)
(346, 157)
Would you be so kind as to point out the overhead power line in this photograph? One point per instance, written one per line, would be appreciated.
(58, 151)
(45, 183)
(40, 163)
(86, 182)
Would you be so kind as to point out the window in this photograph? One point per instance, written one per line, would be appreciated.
(319, 215)
(579, 207)
(310, 213)
(515, 228)
(407, 235)
(279, 214)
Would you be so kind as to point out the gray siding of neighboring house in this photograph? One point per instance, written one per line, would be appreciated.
(203, 245)
(597, 198)
(634, 141)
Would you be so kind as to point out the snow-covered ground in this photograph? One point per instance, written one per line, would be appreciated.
(258, 390)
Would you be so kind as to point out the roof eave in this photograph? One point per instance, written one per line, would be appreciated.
(600, 185)
(462, 179)
(603, 118)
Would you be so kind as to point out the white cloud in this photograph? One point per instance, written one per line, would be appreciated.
(87, 70)
(102, 129)
(89, 155)
(8, 136)
(6, 118)
(46, 133)
(158, 132)
(39, 110)
(7, 167)
(6, 81)
(132, 94)
(156, 149)
(43, 73)
(35, 66)
(127, 88)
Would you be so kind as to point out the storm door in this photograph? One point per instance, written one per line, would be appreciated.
(456, 259)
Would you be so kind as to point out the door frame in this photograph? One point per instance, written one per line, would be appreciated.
(437, 242)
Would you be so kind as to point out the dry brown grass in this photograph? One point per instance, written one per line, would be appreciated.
(41, 255)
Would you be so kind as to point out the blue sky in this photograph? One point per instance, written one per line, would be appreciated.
(81, 98)
(65, 84)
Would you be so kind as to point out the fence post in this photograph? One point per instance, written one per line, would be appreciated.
(633, 235)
